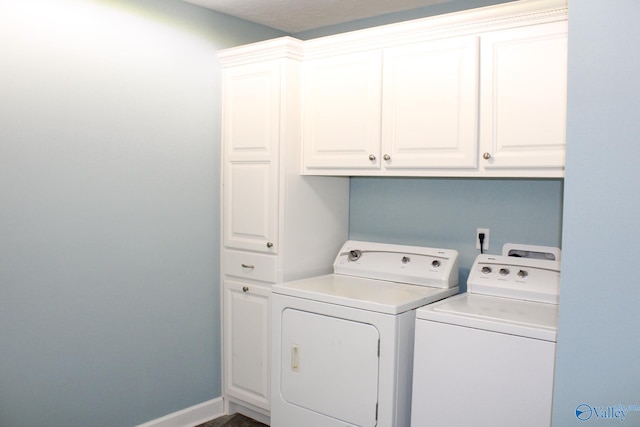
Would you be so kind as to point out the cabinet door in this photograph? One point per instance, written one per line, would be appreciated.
(524, 97)
(251, 129)
(342, 111)
(246, 342)
(430, 105)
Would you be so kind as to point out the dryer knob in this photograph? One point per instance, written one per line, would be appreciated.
(435, 263)
(522, 274)
(486, 270)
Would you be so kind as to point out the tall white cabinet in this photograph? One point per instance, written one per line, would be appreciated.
(276, 224)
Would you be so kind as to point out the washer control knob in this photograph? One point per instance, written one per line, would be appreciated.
(504, 271)
(486, 269)
(406, 260)
(522, 274)
(435, 263)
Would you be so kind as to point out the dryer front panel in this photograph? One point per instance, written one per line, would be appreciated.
(330, 366)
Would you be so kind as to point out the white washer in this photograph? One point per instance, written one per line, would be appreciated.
(485, 358)
(343, 342)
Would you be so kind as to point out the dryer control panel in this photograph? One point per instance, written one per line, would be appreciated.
(415, 265)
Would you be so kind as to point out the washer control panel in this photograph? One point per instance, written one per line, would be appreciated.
(512, 277)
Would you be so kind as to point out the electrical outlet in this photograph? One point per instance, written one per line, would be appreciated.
(485, 246)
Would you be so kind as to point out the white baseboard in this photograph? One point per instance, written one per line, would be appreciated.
(250, 411)
(190, 417)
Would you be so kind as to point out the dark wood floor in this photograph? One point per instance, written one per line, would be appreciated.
(233, 420)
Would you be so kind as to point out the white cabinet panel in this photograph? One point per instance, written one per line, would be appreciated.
(342, 99)
(250, 96)
(246, 341)
(523, 100)
(330, 365)
(430, 104)
(250, 201)
(251, 118)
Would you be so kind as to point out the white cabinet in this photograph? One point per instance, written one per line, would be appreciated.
(276, 225)
(342, 111)
(251, 122)
(430, 105)
(246, 341)
(524, 98)
(413, 106)
(474, 94)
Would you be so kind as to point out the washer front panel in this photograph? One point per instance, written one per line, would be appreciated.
(366, 294)
(470, 377)
(505, 315)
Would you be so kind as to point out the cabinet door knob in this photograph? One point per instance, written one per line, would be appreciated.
(386, 157)
(372, 157)
(269, 244)
(486, 156)
(245, 289)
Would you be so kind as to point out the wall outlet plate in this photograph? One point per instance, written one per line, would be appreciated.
(485, 246)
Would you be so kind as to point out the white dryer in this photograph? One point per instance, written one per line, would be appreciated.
(486, 358)
(342, 343)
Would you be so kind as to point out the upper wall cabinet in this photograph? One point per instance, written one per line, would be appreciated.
(524, 98)
(476, 93)
(414, 106)
(342, 101)
(430, 105)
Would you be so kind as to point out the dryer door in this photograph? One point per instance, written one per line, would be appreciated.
(330, 366)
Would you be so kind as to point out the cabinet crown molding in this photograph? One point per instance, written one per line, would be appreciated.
(472, 21)
(279, 48)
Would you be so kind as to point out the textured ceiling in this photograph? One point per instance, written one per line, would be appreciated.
(293, 16)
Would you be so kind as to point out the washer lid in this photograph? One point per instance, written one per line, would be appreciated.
(509, 316)
(362, 293)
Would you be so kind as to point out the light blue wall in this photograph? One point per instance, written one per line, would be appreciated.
(109, 165)
(445, 213)
(598, 342)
